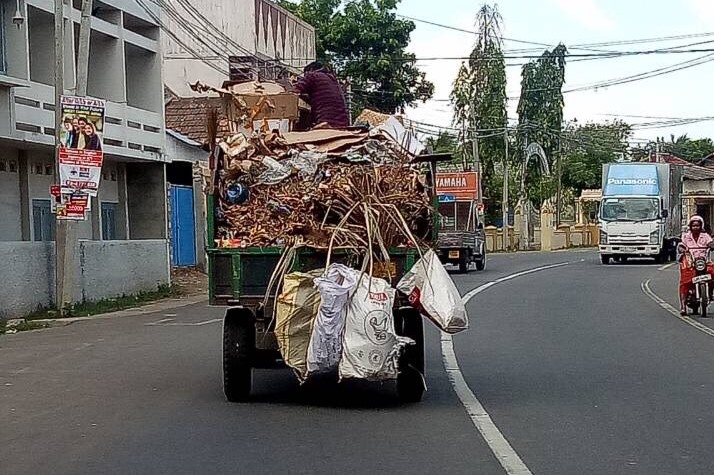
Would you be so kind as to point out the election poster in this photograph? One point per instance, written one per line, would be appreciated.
(80, 151)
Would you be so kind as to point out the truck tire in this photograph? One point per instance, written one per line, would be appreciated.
(464, 263)
(238, 351)
(481, 263)
(605, 259)
(410, 381)
(661, 258)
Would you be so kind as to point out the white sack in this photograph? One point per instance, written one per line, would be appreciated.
(432, 292)
(370, 347)
(325, 347)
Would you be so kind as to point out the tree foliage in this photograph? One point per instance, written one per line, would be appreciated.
(587, 147)
(479, 97)
(365, 42)
(540, 117)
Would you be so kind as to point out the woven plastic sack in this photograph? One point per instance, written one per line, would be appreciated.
(432, 292)
(371, 347)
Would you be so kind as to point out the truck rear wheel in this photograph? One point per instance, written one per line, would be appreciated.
(238, 351)
(410, 381)
(464, 262)
(605, 259)
(481, 263)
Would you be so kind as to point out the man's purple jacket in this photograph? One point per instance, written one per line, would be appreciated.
(325, 98)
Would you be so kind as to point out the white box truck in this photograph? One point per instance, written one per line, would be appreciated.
(641, 211)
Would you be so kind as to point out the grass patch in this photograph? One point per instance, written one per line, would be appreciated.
(96, 307)
(22, 327)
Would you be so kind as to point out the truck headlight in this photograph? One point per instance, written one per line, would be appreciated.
(603, 237)
(654, 237)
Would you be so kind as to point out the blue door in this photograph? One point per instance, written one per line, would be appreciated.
(183, 226)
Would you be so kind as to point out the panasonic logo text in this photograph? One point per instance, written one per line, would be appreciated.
(631, 181)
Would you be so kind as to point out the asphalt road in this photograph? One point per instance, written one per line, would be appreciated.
(581, 372)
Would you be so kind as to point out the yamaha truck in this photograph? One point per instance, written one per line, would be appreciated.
(640, 212)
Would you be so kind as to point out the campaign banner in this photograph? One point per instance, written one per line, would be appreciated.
(80, 153)
(70, 206)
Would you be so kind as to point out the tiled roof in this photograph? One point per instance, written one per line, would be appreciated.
(189, 115)
(690, 170)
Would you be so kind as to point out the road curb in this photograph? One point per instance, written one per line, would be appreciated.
(158, 306)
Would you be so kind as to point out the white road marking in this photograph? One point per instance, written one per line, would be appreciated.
(662, 303)
(667, 266)
(208, 322)
(502, 450)
(160, 322)
(167, 322)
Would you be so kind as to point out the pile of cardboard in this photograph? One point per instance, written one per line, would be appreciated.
(324, 187)
(319, 188)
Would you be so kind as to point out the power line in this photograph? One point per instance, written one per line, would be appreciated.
(574, 46)
(608, 55)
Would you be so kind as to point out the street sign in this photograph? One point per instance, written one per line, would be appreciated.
(447, 198)
(461, 186)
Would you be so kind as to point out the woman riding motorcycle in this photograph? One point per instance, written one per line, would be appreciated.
(695, 241)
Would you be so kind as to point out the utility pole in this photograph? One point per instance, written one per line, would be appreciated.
(479, 177)
(85, 28)
(65, 240)
(558, 197)
(504, 203)
(61, 225)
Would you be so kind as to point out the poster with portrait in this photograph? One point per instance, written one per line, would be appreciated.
(80, 152)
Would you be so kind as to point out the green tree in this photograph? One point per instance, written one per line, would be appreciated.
(540, 117)
(689, 149)
(479, 100)
(365, 42)
(442, 143)
(587, 147)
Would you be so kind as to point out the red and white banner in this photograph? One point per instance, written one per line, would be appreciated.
(80, 170)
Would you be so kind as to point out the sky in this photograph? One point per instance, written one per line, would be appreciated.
(682, 94)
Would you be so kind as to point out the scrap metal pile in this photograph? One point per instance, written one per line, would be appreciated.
(322, 188)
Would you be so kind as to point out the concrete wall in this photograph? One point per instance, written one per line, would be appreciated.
(112, 268)
(146, 195)
(27, 276)
(10, 229)
(102, 270)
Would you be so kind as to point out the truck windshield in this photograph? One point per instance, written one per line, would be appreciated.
(629, 209)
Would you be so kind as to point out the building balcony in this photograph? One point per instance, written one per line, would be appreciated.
(129, 131)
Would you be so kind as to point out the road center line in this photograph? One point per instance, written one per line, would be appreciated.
(645, 286)
(502, 450)
(667, 266)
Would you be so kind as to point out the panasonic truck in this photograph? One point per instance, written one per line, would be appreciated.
(641, 211)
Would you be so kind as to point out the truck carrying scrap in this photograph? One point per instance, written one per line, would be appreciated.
(296, 218)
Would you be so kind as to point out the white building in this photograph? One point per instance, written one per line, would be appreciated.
(204, 33)
(199, 38)
(124, 246)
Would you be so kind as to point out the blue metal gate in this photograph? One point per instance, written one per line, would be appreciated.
(183, 226)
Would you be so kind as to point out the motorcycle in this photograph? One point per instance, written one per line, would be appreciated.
(699, 290)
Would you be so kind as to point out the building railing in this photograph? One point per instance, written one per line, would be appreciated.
(128, 131)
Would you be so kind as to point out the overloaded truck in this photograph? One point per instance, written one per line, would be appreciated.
(641, 211)
(287, 203)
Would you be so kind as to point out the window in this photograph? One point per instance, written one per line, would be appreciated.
(43, 220)
(109, 221)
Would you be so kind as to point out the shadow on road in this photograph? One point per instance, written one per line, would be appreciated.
(281, 387)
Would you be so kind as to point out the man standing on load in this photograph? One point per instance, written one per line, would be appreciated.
(322, 91)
